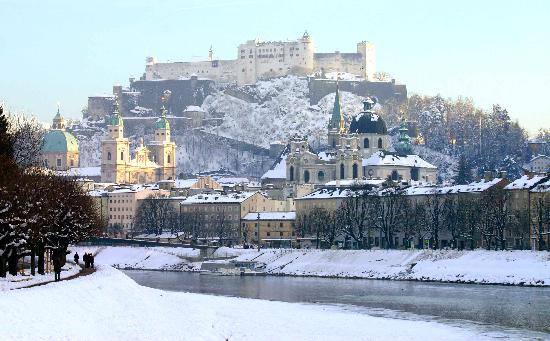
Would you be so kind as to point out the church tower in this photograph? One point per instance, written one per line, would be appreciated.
(163, 149)
(115, 150)
(337, 123)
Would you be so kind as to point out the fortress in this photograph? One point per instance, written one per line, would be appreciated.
(258, 60)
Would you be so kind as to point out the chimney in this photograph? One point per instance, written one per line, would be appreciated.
(503, 174)
(488, 176)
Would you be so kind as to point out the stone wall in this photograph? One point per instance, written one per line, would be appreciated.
(383, 91)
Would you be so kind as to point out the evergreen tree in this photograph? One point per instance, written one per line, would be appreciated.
(6, 139)
(464, 175)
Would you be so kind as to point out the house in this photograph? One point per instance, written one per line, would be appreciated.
(276, 229)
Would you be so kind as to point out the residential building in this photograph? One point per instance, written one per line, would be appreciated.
(276, 228)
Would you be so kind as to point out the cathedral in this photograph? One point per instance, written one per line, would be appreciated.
(59, 147)
(151, 163)
(360, 150)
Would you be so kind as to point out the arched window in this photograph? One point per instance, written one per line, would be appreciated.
(366, 143)
(333, 143)
(380, 143)
(306, 176)
(291, 173)
(121, 156)
(354, 171)
(108, 155)
(342, 174)
(321, 176)
(394, 175)
(168, 159)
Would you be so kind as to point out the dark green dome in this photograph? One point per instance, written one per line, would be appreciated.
(368, 122)
(58, 141)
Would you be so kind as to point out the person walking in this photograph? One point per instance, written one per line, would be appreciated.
(76, 257)
(91, 261)
(86, 261)
(57, 268)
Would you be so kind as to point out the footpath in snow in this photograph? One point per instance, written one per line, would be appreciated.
(490, 267)
(107, 305)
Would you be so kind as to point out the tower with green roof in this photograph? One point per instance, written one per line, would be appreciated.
(337, 122)
(403, 145)
(115, 149)
(163, 149)
(59, 147)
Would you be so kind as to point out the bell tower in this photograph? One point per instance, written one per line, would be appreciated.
(115, 150)
(163, 149)
(337, 123)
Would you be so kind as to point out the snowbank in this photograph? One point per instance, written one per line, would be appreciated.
(494, 267)
(142, 258)
(107, 305)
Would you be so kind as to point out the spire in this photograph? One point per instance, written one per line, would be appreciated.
(337, 120)
(116, 118)
(210, 53)
(403, 145)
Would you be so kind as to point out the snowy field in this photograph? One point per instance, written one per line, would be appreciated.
(107, 305)
(495, 267)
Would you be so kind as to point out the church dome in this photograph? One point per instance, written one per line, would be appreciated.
(58, 141)
(368, 122)
(162, 121)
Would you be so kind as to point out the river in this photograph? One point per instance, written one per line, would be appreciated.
(486, 306)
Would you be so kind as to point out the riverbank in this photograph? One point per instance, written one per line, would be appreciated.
(107, 305)
(22, 281)
(483, 267)
(529, 268)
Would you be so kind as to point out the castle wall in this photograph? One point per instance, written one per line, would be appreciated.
(340, 62)
(99, 107)
(383, 91)
(217, 70)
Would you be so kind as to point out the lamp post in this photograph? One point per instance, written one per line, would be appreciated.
(258, 231)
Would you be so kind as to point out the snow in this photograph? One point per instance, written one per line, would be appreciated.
(474, 187)
(383, 159)
(543, 187)
(14, 282)
(218, 198)
(327, 193)
(495, 267)
(82, 172)
(142, 258)
(278, 171)
(525, 182)
(355, 182)
(270, 216)
(184, 183)
(108, 305)
(193, 108)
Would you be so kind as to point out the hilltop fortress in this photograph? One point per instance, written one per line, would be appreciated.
(258, 60)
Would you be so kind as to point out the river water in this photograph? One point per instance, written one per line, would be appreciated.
(486, 306)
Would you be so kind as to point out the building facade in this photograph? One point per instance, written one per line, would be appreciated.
(276, 228)
(151, 163)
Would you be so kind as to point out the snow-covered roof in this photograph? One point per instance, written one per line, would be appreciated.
(278, 171)
(97, 193)
(543, 187)
(216, 198)
(270, 216)
(81, 172)
(356, 182)
(193, 108)
(226, 180)
(473, 187)
(326, 156)
(386, 159)
(133, 189)
(184, 183)
(328, 193)
(526, 182)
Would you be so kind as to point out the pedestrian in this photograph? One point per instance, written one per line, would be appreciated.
(92, 260)
(57, 267)
(76, 257)
(86, 261)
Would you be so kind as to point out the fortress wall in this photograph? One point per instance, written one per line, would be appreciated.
(383, 91)
(218, 70)
(341, 62)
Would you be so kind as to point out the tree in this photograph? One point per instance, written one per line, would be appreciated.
(464, 175)
(154, 215)
(390, 214)
(541, 219)
(354, 212)
(435, 216)
(28, 135)
(6, 139)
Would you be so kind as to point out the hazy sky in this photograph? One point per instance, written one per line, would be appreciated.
(492, 51)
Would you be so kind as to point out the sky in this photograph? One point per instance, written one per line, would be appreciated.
(64, 51)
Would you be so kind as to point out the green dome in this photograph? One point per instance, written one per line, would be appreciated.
(115, 120)
(58, 141)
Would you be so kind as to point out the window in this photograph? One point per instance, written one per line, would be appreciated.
(121, 156)
(280, 234)
(58, 162)
(280, 224)
(168, 158)
(380, 143)
(306, 176)
(394, 175)
(366, 143)
(291, 177)
(354, 171)
(268, 233)
(414, 174)
(108, 155)
(321, 175)
(46, 163)
(72, 162)
(333, 143)
(342, 174)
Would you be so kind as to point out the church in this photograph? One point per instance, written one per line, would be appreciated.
(59, 147)
(360, 150)
(151, 163)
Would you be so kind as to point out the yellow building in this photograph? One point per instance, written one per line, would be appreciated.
(276, 228)
(59, 148)
(151, 163)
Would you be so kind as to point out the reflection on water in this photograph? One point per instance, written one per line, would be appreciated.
(515, 307)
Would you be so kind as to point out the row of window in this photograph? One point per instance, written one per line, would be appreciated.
(114, 216)
(58, 162)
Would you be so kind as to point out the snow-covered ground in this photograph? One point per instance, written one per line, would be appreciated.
(107, 305)
(495, 267)
(19, 281)
(142, 258)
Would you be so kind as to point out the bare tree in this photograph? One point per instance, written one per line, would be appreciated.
(28, 134)
(154, 215)
(435, 216)
(390, 214)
